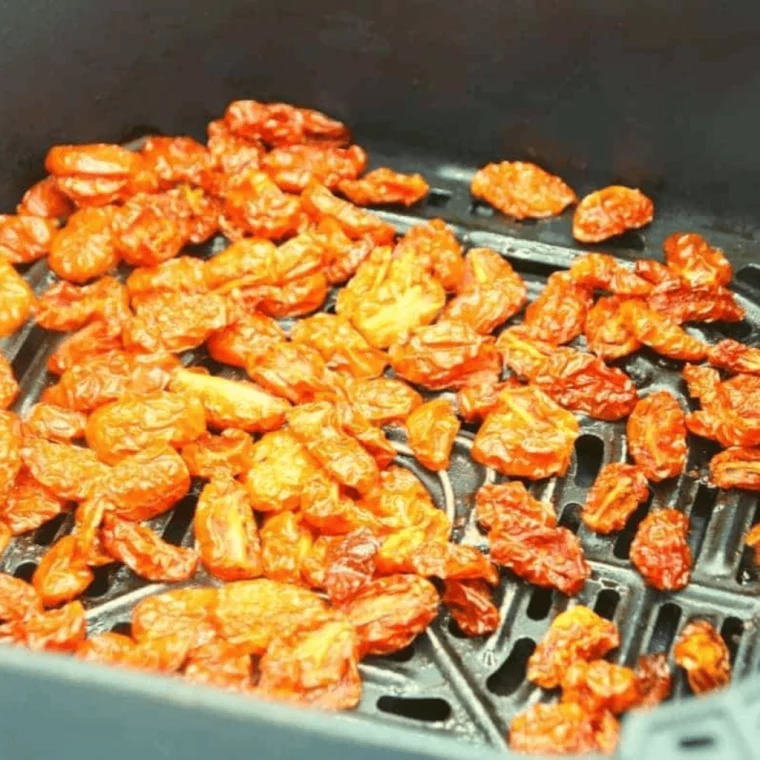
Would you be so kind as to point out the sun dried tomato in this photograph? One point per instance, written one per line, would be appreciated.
(384, 185)
(280, 124)
(475, 402)
(349, 564)
(617, 492)
(660, 333)
(489, 293)
(528, 435)
(383, 400)
(220, 665)
(654, 679)
(584, 383)
(24, 239)
(70, 472)
(374, 440)
(736, 467)
(431, 431)
(558, 315)
(316, 666)
(293, 167)
(18, 599)
(609, 212)
(391, 612)
(575, 634)
(251, 260)
(521, 352)
(232, 154)
(145, 235)
(653, 271)
(564, 728)
(522, 190)
(445, 355)
(296, 298)
(95, 339)
(327, 509)
(177, 159)
(695, 261)
(471, 606)
(248, 336)
(185, 274)
(8, 386)
(117, 649)
(211, 456)
(16, 299)
(606, 332)
(686, 303)
(660, 552)
(145, 553)
(28, 504)
(700, 381)
(657, 436)
(65, 306)
(62, 574)
(61, 630)
(86, 247)
(600, 271)
(132, 424)
(735, 357)
(147, 483)
(433, 247)
(495, 502)
(44, 199)
(250, 614)
(599, 686)
(701, 651)
(11, 436)
(55, 423)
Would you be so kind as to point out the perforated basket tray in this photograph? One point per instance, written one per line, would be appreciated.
(443, 685)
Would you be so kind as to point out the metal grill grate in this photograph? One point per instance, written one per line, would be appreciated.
(445, 682)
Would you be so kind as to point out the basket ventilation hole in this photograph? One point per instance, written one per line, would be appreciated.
(428, 710)
(177, 527)
(45, 534)
(731, 631)
(100, 583)
(511, 673)
(737, 330)
(696, 742)
(124, 628)
(25, 571)
(664, 628)
(606, 603)
(623, 543)
(540, 603)
(588, 457)
(700, 516)
(438, 198)
(571, 517)
(749, 275)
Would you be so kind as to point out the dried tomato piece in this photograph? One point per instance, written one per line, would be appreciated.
(8, 386)
(384, 185)
(248, 336)
(70, 472)
(522, 190)
(654, 679)
(55, 423)
(145, 234)
(735, 357)
(686, 303)
(657, 436)
(44, 199)
(28, 504)
(147, 555)
(18, 599)
(475, 402)
(349, 564)
(117, 649)
(316, 666)
(609, 212)
(177, 159)
(653, 271)
(250, 614)
(124, 427)
(496, 502)
(700, 381)
(563, 729)
(24, 239)
(660, 333)
(584, 383)
(11, 435)
(391, 612)
(599, 686)
(374, 440)
(221, 665)
(86, 247)
(701, 651)
(65, 306)
(521, 352)
(575, 634)
(296, 298)
(16, 299)
(61, 630)
(736, 467)
(225, 531)
(280, 124)
(489, 293)
(383, 400)
(695, 261)
(600, 271)
(318, 428)
(293, 167)
(606, 332)
(558, 315)
(471, 607)
(232, 154)
(61, 574)
(286, 540)
(211, 456)
(147, 483)
(357, 223)
(660, 552)
(431, 431)
(327, 509)
(617, 492)
(185, 274)
(341, 346)
(434, 247)
(528, 435)
(445, 355)
(95, 339)
(343, 254)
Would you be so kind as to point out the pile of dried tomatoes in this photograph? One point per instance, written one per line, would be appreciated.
(324, 548)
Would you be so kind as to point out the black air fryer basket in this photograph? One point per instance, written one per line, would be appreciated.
(662, 96)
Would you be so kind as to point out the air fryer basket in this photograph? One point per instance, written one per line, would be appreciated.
(511, 81)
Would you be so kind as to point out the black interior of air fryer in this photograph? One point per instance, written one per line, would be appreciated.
(662, 96)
